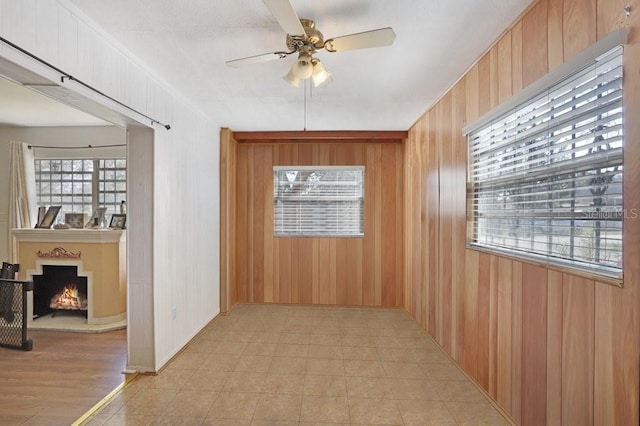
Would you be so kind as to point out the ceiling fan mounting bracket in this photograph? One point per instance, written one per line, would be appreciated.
(311, 40)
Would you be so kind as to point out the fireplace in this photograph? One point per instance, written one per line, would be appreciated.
(59, 288)
(96, 256)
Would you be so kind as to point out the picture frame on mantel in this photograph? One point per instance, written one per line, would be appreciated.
(42, 210)
(49, 217)
(95, 221)
(75, 220)
(118, 221)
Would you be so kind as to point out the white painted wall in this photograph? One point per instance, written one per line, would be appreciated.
(140, 303)
(5, 161)
(185, 179)
(69, 137)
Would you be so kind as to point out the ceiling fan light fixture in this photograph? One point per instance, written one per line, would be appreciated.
(303, 67)
(304, 39)
(320, 75)
(291, 78)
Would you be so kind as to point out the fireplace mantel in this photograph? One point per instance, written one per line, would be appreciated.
(99, 254)
(69, 235)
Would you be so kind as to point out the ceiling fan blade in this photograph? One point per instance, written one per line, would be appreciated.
(286, 16)
(235, 63)
(374, 38)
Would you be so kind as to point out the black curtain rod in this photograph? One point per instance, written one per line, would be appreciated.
(70, 77)
(75, 147)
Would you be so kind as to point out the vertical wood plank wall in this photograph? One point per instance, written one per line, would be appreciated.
(333, 271)
(549, 347)
(228, 166)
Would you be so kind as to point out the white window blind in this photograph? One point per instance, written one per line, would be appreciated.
(545, 178)
(319, 201)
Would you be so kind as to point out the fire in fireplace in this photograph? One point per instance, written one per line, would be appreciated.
(59, 288)
(69, 299)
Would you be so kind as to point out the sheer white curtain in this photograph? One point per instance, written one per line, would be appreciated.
(22, 191)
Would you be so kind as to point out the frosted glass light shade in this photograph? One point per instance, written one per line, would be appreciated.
(292, 79)
(320, 75)
(307, 67)
(303, 68)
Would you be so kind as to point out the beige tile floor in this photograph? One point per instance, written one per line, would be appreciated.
(304, 365)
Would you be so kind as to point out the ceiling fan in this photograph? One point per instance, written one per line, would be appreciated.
(304, 39)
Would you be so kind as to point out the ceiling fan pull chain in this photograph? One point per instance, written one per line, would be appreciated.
(305, 105)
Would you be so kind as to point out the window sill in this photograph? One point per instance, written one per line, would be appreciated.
(317, 236)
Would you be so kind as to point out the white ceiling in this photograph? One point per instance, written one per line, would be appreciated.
(387, 88)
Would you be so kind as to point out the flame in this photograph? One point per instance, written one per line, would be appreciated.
(69, 298)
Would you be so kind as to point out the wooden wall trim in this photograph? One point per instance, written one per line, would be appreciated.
(225, 135)
(228, 154)
(316, 136)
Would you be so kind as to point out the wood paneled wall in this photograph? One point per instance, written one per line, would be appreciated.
(334, 271)
(548, 346)
(228, 226)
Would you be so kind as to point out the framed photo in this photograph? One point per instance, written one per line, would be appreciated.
(49, 217)
(41, 212)
(95, 221)
(118, 221)
(75, 220)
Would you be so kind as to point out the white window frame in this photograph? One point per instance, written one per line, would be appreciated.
(104, 181)
(317, 213)
(513, 160)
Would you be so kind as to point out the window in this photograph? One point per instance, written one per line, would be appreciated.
(545, 177)
(318, 201)
(80, 186)
(112, 184)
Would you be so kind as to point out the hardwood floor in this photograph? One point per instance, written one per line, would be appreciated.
(61, 378)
